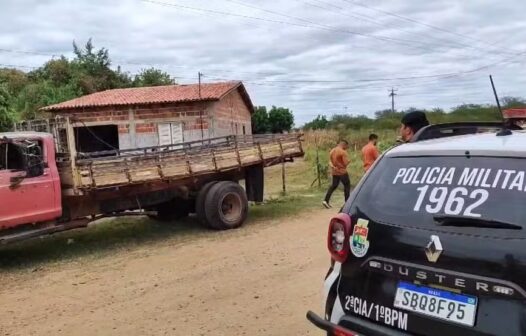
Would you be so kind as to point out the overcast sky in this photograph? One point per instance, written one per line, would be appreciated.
(314, 56)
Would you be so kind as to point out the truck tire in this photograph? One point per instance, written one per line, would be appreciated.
(200, 202)
(226, 206)
(174, 209)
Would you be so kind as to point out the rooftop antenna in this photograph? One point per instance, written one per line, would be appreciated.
(504, 131)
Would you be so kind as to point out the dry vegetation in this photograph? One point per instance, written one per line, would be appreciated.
(318, 144)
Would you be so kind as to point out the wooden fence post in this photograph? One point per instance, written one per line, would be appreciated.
(237, 152)
(282, 168)
(318, 173)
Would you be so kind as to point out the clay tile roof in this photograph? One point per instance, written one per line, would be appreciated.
(153, 94)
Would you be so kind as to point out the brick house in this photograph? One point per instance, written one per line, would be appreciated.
(160, 115)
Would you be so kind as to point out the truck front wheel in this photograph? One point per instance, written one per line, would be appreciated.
(226, 206)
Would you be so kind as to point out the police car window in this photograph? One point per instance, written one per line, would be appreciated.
(411, 191)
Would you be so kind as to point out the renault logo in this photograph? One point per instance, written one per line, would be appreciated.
(434, 249)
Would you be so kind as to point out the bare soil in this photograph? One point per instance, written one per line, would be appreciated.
(257, 280)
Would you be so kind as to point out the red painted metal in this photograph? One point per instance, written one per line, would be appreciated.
(35, 199)
(515, 113)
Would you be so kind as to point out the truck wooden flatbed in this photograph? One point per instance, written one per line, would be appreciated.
(180, 161)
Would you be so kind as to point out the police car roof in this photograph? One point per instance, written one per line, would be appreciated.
(475, 144)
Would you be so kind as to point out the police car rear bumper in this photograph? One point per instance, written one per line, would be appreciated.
(359, 327)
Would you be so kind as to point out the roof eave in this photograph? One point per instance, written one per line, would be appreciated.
(54, 109)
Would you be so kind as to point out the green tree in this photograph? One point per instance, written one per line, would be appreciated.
(513, 102)
(474, 112)
(40, 94)
(57, 71)
(6, 115)
(153, 77)
(320, 122)
(13, 79)
(280, 119)
(260, 123)
(92, 70)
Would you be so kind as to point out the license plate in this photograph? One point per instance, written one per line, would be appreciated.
(444, 305)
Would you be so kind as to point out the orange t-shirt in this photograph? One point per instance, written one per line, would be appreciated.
(369, 155)
(339, 161)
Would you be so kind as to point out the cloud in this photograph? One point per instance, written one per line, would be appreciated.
(314, 56)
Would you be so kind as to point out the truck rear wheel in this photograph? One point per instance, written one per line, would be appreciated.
(174, 209)
(200, 202)
(226, 206)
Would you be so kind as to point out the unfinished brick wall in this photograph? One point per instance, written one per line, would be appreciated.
(137, 125)
(230, 115)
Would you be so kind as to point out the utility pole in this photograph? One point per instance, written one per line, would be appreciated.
(392, 94)
(199, 75)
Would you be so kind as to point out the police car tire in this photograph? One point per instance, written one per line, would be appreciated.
(226, 206)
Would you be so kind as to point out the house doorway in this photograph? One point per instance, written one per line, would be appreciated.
(97, 138)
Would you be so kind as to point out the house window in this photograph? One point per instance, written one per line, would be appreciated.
(170, 133)
(244, 131)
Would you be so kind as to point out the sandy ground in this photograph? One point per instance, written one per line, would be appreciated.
(258, 280)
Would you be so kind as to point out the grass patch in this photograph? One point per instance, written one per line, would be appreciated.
(96, 241)
(130, 233)
(292, 204)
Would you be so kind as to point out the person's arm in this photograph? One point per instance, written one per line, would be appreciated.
(376, 153)
(345, 159)
(331, 164)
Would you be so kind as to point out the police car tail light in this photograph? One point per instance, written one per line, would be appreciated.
(338, 237)
(342, 332)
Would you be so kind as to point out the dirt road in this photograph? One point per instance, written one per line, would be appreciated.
(259, 280)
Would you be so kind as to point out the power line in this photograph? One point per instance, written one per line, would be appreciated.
(355, 3)
(371, 20)
(27, 52)
(310, 25)
(17, 66)
(369, 82)
(402, 78)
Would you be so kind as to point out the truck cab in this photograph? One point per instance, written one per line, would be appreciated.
(29, 180)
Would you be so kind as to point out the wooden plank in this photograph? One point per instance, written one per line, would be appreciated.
(143, 166)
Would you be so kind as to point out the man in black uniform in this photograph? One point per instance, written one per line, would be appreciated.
(412, 122)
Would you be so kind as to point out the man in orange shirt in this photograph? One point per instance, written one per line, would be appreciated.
(370, 152)
(338, 161)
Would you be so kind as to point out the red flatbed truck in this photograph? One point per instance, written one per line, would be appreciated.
(46, 186)
(515, 115)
